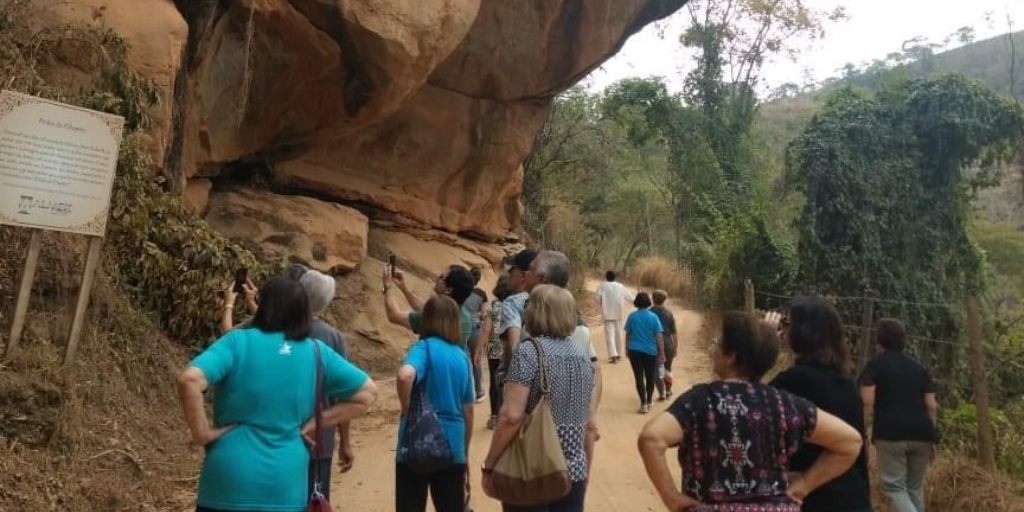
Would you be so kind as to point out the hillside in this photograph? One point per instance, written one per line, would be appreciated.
(780, 120)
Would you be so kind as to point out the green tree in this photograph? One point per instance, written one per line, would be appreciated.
(888, 182)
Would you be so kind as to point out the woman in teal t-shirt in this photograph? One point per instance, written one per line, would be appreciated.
(439, 362)
(256, 458)
(646, 348)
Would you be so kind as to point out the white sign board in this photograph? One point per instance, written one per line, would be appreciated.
(57, 164)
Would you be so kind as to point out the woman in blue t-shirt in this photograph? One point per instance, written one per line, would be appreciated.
(266, 377)
(646, 348)
(438, 361)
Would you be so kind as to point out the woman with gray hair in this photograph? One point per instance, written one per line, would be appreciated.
(320, 290)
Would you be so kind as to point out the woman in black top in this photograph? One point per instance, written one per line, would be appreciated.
(821, 374)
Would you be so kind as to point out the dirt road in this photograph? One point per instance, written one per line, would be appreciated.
(618, 481)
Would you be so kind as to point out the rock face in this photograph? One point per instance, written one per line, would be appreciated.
(419, 113)
(324, 236)
(156, 32)
(422, 109)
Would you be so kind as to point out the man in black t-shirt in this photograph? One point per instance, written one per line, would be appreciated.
(898, 392)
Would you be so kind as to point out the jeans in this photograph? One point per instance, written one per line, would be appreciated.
(645, 373)
(573, 502)
(492, 366)
(613, 338)
(478, 371)
(447, 489)
(903, 465)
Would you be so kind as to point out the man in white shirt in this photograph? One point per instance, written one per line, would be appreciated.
(611, 294)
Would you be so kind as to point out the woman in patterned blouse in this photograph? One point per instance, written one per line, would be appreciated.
(551, 320)
(736, 435)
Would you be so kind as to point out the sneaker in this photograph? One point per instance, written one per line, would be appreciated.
(492, 422)
(480, 398)
(644, 409)
(661, 398)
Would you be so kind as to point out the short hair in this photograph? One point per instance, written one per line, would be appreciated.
(610, 275)
(295, 271)
(816, 334)
(460, 281)
(753, 344)
(551, 311)
(642, 301)
(891, 334)
(284, 307)
(441, 319)
(476, 273)
(659, 296)
(553, 267)
(501, 291)
(319, 289)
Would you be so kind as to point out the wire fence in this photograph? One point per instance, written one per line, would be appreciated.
(988, 366)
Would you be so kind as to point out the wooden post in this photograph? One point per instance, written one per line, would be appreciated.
(986, 453)
(92, 261)
(864, 343)
(748, 296)
(28, 274)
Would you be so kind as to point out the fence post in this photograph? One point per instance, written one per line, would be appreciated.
(986, 453)
(864, 342)
(748, 296)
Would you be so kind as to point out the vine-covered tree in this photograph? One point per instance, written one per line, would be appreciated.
(888, 181)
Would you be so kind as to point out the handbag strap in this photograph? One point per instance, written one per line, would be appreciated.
(318, 407)
(542, 364)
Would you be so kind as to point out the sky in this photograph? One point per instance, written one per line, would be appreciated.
(873, 29)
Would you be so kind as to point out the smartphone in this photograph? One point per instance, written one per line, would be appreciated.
(391, 263)
(241, 277)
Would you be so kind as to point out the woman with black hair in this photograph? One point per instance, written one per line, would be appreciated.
(266, 378)
(821, 374)
(736, 435)
(646, 348)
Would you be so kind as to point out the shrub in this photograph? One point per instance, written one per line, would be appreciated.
(960, 433)
(658, 273)
(168, 257)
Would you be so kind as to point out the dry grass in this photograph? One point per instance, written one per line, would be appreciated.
(955, 483)
(658, 273)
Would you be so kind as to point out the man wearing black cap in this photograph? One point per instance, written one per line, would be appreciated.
(513, 309)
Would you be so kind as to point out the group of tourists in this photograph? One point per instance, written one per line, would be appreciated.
(282, 385)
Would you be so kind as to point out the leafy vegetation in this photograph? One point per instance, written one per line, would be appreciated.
(888, 182)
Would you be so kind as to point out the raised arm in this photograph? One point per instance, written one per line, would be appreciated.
(392, 309)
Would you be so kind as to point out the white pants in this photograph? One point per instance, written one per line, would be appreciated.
(614, 338)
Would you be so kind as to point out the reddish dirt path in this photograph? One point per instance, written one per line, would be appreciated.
(618, 481)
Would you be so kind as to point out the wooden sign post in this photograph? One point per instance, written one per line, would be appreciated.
(57, 165)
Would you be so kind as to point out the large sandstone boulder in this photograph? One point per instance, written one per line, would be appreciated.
(457, 170)
(325, 236)
(156, 34)
(422, 109)
(276, 76)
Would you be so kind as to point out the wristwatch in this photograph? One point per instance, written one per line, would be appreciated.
(485, 469)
